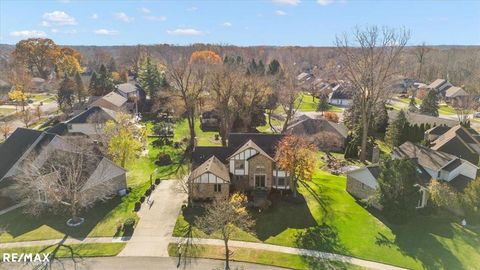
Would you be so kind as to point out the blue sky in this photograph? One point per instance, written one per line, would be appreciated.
(274, 22)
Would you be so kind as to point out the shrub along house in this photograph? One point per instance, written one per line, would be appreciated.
(431, 164)
(246, 164)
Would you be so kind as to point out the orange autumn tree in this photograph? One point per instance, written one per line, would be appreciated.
(296, 156)
(204, 57)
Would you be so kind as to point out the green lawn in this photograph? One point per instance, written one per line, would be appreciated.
(205, 138)
(286, 260)
(41, 97)
(6, 111)
(100, 221)
(310, 104)
(446, 109)
(333, 221)
(76, 250)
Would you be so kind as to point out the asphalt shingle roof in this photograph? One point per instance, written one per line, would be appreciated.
(426, 157)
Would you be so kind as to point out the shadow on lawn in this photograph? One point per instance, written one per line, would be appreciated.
(18, 223)
(417, 240)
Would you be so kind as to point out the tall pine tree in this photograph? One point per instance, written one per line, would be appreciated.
(92, 87)
(430, 104)
(104, 83)
(80, 88)
(150, 78)
(66, 94)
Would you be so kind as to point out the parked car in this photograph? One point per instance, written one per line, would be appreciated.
(476, 114)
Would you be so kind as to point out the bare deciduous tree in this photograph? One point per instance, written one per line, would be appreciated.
(369, 62)
(420, 53)
(289, 92)
(463, 107)
(26, 116)
(60, 180)
(225, 216)
(5, 129)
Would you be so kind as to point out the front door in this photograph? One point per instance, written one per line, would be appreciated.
(260, 180)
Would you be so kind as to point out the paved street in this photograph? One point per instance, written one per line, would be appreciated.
(156, 222)
(145, 263)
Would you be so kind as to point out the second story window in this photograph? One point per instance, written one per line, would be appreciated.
(217, 187)
(239, 165)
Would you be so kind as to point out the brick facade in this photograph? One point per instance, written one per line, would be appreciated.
(360, 190)
(207, 191)
(260, 164)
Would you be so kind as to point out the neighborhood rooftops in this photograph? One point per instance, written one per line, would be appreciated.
(311, 126)
(416, 118)
(112, 98)
(437, 83)
(426, 157)
(127, 88)
(455, 91)
(15, 147)
(94, 114)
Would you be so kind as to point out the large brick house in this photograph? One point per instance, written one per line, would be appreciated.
(246, 164)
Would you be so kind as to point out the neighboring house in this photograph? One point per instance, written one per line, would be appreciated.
(38, 84)
(248, 160)
(326, 135)
(128, 90)
(430, 164)
(435, 132)
(457, 141)
(26, 145)
(111, 101)
(416, 118)
(440, 86)
(340, 96)
(455, 92)
(90, 122)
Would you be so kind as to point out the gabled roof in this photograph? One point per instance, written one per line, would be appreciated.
(100, 114)
(437, 83)
(460, 182)
(463, 136)
(267, 142)
(112, 98)
(127, 88)
(310, 126)
(15, 147)
(342, 93)
(438, 130)
(59, 129)
(203, 153)
(426, 157)
(455, 91)
(416, 118)
(212, 165)
(250, 144)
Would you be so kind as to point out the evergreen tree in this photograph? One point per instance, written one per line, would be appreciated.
(323, 105)
(412, 106)
(430, 104)
(80, 88)
(66, 94)
(273, 67)
(396, 188)
(150, 78)
(381, 117)
(112, 65)
(104, 83)
(92, 87)
(394, 136)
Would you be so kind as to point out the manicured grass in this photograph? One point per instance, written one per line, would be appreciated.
(6, 111)
(76, 250)
(267, 129)
(102, 219)
(310, 104)
(279, 259)
(41, 97)
(446, 109)
(333, 221)
(204, 138)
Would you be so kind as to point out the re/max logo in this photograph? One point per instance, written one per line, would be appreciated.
(25, 257)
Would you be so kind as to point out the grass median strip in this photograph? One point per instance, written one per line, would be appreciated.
(75, 250)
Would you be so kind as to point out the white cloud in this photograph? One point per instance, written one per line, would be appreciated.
(58, 18)
(324, 2)
(122, 16)
(54, 30)
(192, 9)
(94, 16)
(145, 10)
(67, 31)
(287, 2)
(105, 32)
(280, 13)
(156, 18)
(28, 34)
(185, 32)
(227, 24)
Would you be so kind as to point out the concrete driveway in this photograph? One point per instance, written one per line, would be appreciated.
(154, 230)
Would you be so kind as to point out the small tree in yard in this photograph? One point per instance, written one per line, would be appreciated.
(26, 117)
(323, 104)
(393, 136)
(397, 192)
(225, 216)
(297, 157)
(472, 198)
(430, 104)
(442, 195)
(5, 129)
(57, 184)
(38, 112)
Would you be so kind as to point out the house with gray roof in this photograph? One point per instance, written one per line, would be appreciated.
(26, 145)
(112, 101)
(90, 122)
(457, 140)
(324, 134)
(430, 164)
